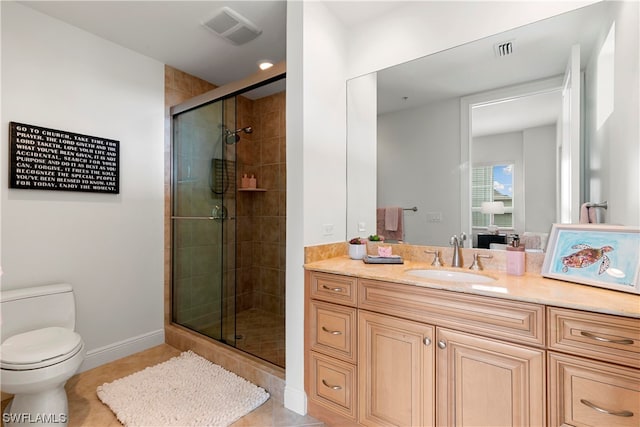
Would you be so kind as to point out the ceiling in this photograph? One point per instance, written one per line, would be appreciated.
(540, 50)
(172, 32)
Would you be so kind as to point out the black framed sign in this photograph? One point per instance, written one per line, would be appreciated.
(49, 159)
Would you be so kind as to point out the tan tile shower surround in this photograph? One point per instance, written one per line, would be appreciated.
(261, 239)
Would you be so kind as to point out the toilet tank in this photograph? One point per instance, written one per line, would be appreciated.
(26, 309)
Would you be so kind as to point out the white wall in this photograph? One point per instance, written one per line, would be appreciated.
(316, 161)
(361, 151)
(614, 149)
(419, 28)
(539, 153)
(294, 395)
(415, 29)
(419, 165)
(108, 247)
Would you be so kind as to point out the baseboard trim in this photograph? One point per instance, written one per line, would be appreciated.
(295, 400)
(118, 350)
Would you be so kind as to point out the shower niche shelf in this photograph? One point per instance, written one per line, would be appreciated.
(252, 189)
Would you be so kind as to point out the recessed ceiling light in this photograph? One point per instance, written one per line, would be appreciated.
(265, 64)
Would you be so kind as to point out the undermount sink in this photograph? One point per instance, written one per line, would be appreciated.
(451, 276)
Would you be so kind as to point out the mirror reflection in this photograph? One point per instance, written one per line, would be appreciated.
(524, 119)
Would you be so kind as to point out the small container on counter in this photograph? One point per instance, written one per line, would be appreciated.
(515, 257)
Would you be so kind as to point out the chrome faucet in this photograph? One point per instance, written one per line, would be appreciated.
(475, 265)
(457, 242)
(436, 258)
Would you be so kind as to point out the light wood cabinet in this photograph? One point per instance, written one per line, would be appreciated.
(585, 392)
(386, 354)
(486, 382)
(333, 330)
(396, 371)
(492, 317)
(599, 336)
(331, 348)
(587, 386)
(333, 384)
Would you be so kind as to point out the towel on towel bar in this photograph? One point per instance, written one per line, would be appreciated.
(383, 225)
(391, 218)
(588, 214)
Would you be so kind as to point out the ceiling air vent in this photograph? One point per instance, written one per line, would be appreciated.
(232, 26)
(503, 49)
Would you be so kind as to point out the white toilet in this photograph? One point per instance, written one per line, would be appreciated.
(40, 351)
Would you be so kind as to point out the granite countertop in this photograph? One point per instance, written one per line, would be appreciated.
(529, 287)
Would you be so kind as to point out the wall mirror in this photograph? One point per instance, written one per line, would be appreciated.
(537, 100)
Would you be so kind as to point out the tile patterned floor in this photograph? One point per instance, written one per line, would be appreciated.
(257, 332)
(262, 334)
(85, 409)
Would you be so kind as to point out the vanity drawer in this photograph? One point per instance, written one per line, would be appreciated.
(492, 317)
(333, 330)
(333, 288)
(588, 393)
(333, 384)
(601, 336)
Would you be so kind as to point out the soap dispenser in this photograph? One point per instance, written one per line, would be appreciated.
(515, 257)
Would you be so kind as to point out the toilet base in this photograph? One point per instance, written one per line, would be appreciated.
(46, 409)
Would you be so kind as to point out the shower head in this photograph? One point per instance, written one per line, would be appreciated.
(234, 134)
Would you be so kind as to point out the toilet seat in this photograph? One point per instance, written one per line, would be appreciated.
(39, 348)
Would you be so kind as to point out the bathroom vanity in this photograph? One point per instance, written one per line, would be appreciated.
(384, 347)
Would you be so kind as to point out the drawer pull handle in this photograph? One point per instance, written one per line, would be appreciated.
(332, 332)
(332, 387)
(605, 411)
(626, 341)
(332, 289)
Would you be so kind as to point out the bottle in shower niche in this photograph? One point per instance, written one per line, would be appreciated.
(245, 181)
(515, 257)
(252, 182)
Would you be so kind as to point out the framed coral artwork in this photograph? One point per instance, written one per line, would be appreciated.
(607, 256)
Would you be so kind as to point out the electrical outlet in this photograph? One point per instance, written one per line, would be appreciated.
(434, 216)
(362, 226)
(327, 229)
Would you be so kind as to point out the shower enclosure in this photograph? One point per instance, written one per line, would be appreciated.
(227, 240)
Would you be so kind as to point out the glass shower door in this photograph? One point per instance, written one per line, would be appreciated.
(203, 214)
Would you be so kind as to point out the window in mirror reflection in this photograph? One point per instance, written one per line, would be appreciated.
(492, 183)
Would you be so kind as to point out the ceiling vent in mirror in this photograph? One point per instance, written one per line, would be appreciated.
(232, 26)
(503, 49)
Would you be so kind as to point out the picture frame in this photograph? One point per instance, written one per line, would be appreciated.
(602, 255)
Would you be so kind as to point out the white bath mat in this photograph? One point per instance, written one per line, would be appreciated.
(186, 390)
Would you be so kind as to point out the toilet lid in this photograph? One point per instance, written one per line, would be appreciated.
(39, 345)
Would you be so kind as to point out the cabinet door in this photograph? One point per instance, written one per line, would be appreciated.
(485, 382)
(395, 371)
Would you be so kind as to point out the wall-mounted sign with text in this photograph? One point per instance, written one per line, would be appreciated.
(48, 159)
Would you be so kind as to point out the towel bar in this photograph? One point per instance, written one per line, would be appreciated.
(598, 205)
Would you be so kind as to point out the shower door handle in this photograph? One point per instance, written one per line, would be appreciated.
(200, 217)
(193, 217)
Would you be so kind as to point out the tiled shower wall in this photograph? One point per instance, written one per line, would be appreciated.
(179, 87)
(262, 215)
